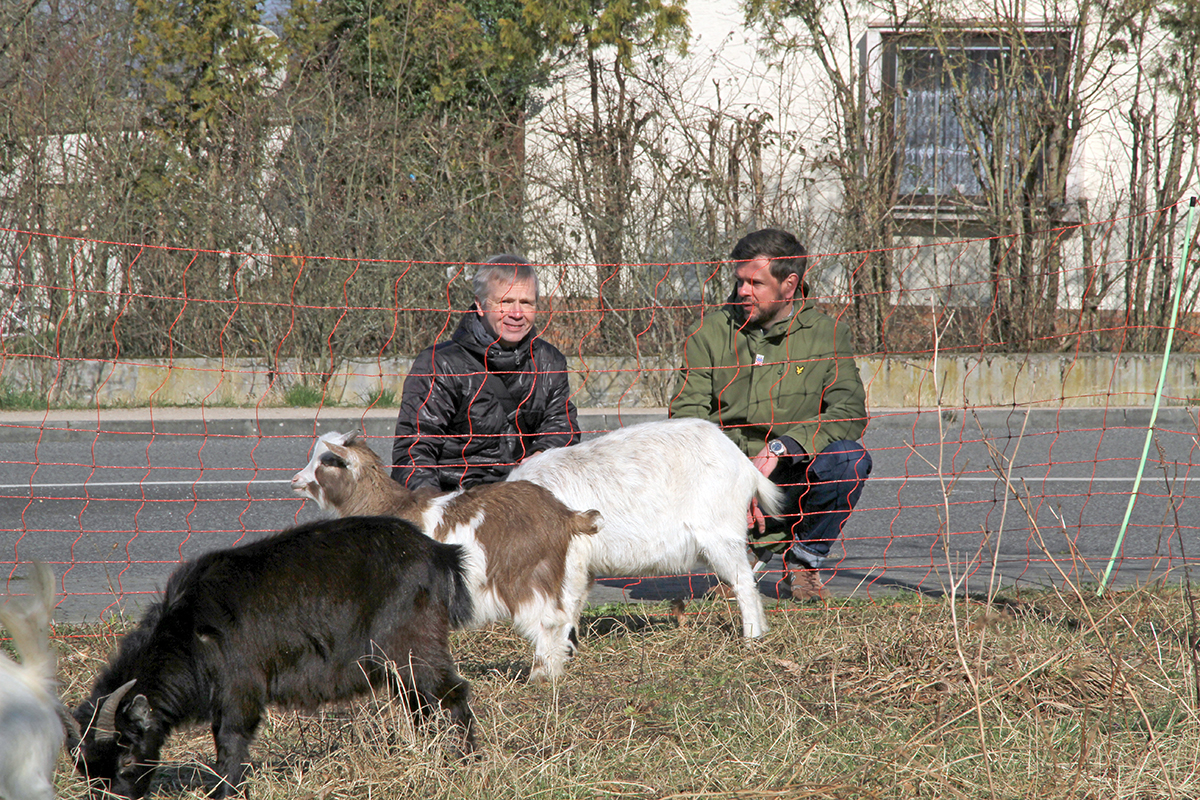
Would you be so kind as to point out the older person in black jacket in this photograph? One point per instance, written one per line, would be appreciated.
(476, 406)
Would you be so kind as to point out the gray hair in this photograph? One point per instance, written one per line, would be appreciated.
(504, 268)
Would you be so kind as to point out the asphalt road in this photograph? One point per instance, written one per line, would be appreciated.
(955, 501)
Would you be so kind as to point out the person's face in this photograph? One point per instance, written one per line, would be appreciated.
(765, 299)
(509, 310)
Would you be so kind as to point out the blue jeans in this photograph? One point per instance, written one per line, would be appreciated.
(818, 499)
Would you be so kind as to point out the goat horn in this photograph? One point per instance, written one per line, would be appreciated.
(70, 725)
(106, 718)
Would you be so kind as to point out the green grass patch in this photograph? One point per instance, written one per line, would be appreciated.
(301, 395)
(382, 398)
(14, 399)
(1051, 696)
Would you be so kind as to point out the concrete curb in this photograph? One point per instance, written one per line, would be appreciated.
(64, 425)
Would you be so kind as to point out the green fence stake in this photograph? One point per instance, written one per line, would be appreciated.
(1162, 379)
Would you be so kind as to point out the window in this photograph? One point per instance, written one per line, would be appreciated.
(970, 112)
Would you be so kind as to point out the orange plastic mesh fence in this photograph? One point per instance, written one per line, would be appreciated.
(156, 402)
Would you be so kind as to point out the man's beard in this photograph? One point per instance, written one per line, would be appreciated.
(761, 313)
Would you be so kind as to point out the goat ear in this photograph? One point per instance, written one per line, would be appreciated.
(350, 438)
(138, 712)
(334, 457)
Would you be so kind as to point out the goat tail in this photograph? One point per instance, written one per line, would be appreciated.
(770, 496)
(587, 523)
(455, 591)
(29, 623)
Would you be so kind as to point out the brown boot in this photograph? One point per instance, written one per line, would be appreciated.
(806, 584)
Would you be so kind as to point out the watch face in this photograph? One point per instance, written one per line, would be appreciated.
(777, 447)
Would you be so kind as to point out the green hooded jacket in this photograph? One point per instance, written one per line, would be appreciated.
(797, 378)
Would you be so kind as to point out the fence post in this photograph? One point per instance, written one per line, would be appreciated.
(1162, 378)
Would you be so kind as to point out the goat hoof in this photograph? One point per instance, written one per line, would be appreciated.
(543, 675)
(468, 752)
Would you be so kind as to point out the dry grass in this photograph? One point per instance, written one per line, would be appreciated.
(1076, 697)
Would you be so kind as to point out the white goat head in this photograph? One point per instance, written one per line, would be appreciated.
(331, 473)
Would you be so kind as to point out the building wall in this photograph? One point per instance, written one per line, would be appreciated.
(729, 72)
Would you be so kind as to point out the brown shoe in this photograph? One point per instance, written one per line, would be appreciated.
(806, 584)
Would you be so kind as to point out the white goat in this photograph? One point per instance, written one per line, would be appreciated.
(516, 536)
(31, 715)
(670, 494)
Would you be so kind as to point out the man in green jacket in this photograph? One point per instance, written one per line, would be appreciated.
(779, 377)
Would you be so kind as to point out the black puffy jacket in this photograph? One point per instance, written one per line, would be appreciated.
(471, 410)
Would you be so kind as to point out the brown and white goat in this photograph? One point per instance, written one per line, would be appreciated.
(516, 535)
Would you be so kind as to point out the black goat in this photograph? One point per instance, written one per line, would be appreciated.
(316, 613)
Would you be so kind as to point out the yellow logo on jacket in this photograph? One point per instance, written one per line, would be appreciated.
(799, 370)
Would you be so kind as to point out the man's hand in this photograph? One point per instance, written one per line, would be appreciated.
(765, 461)
(755, 518)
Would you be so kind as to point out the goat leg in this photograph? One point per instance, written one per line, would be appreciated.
(232, 738)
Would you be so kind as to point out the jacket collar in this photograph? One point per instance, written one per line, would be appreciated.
(796, 320)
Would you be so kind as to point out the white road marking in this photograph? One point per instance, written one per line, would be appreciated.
(140, 483)
(951, 478)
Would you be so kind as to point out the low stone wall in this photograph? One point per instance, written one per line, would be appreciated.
(1074, 381)
(897, 382)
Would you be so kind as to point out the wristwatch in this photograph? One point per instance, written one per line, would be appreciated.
(777, 448)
